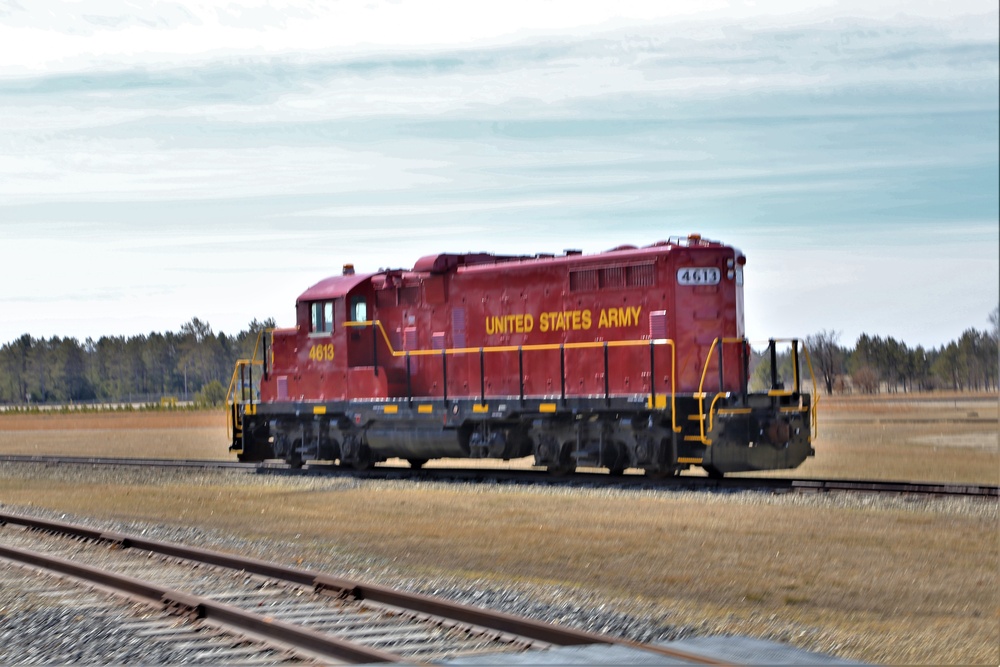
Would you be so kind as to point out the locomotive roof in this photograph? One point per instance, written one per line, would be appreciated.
(447, 262)
(333, 287)
(339, 286)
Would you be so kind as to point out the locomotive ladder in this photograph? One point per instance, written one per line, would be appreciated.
(244, 387)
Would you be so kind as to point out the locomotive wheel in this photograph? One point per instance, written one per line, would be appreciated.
(416, 464)
(356, 454)
(616, 472)
(294, 457)
(713, 472)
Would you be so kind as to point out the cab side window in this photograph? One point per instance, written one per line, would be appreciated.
(359, 309)
(322, 316)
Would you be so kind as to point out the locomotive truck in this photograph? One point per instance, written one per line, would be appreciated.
(631, 358)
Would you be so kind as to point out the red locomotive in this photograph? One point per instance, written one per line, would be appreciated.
(630, 358)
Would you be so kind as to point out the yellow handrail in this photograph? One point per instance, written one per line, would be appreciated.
(537, 348)
(505, 348)
(231, 391)
(814, 418)
(702, 417)
(813, 415)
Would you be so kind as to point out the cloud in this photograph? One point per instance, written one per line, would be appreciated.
(780, 130)
(88, 17)
(50, 35)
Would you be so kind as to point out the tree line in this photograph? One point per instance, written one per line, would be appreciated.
(197, 363)
(192, 363)
(875, 364)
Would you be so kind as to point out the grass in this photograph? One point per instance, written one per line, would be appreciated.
(827, 573)
(923, 437)
(932, 437)
(153, 434)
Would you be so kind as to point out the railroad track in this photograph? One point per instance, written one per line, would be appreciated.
(263, 612)
(52, 620)
(535, 477)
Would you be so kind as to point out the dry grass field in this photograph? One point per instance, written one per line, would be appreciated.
(887, 580)
(165, 435)
(925, 437)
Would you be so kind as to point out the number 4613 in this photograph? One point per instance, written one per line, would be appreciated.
(321, 352)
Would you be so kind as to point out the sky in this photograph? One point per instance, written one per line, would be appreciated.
(167, 160)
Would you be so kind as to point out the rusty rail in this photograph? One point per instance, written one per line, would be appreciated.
(199, 607)
(529, 476)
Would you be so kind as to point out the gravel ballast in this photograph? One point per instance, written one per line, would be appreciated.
(638, 618)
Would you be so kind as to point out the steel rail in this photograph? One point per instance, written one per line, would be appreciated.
(140, 462)
(198, 607)
(532, 476)
(925, 488)
(322, 583)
